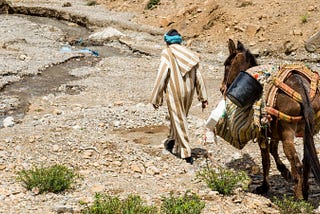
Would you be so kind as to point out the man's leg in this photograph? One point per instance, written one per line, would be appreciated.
(170, 141)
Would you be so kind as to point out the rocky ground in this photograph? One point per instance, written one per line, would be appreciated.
(275, 27)
(100, 122)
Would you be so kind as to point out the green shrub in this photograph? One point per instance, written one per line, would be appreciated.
(189, 203)
(225, 181)
(91, 3)
(304, 18)
(288, 205)
(152, 4)
(105, 204)
(54, 179)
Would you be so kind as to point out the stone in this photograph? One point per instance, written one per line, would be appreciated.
(64, 209)
(66, 4)
(23, 57)
(87, 154)
(116, 123)
(152, 170)
(55, 148)
(297, 32)
(97, 188)
(243, 3)
(57, 112)
(136, 168)
(106, 34)
(289, 47)
(313, 43)
(8, 122)
(164, 22)
(317, 211)
(252, 30)
(2, 167)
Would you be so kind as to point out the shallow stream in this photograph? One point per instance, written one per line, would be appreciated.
(55, 75)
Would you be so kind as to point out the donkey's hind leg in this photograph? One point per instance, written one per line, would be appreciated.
(296, 165)
(264, 148)
(280, 165)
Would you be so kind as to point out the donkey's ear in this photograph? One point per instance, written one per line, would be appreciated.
(240, 46)
(231, 46)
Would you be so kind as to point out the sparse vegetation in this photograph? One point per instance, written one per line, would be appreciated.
(56, 178)
(189, 203)
(287, 204)
(304, 18)
(245, 3)
(152, 4)
(106, 204)
(225, 181)
(91, 3)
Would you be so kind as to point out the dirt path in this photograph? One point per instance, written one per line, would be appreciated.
(101, 123)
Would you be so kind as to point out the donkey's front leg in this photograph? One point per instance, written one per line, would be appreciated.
(264, 148)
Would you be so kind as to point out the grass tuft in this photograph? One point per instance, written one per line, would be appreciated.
(225, 181)
(106, 204)
(189, 203)
(304, 18)
(92, 3)
(152, 4)
(288, 204)
(56, 178)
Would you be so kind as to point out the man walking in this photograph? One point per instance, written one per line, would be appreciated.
(178, 78)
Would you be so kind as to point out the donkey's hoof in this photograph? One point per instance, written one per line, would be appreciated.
(263, 189)
(285, 172)
(287, 176)
(305, 196)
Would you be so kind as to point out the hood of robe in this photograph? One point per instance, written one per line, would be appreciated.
(185, 58)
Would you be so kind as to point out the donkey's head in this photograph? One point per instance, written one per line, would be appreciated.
(239, 59)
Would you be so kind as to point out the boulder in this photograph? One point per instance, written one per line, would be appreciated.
(313, 43)
(106, 34)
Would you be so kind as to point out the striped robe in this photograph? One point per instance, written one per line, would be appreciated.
(178, 78)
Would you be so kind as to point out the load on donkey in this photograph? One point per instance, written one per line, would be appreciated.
(271, 104)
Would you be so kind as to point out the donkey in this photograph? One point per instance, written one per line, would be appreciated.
(241, 59)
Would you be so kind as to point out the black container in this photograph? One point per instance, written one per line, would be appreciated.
(244, 90)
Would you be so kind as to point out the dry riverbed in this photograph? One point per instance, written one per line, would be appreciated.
(61, 103)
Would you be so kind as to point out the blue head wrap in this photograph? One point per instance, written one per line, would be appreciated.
(173, 37)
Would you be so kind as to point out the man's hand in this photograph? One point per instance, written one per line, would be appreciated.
(155, 106)
(204, 104)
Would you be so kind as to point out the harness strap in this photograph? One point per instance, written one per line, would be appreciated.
(278, 83)
(288, 118)
(287, 89)
(282, 116)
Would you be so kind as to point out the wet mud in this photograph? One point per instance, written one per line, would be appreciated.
(51, 78)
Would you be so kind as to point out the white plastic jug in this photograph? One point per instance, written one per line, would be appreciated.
(216, 114)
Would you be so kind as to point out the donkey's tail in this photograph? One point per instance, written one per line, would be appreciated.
(310, 152)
